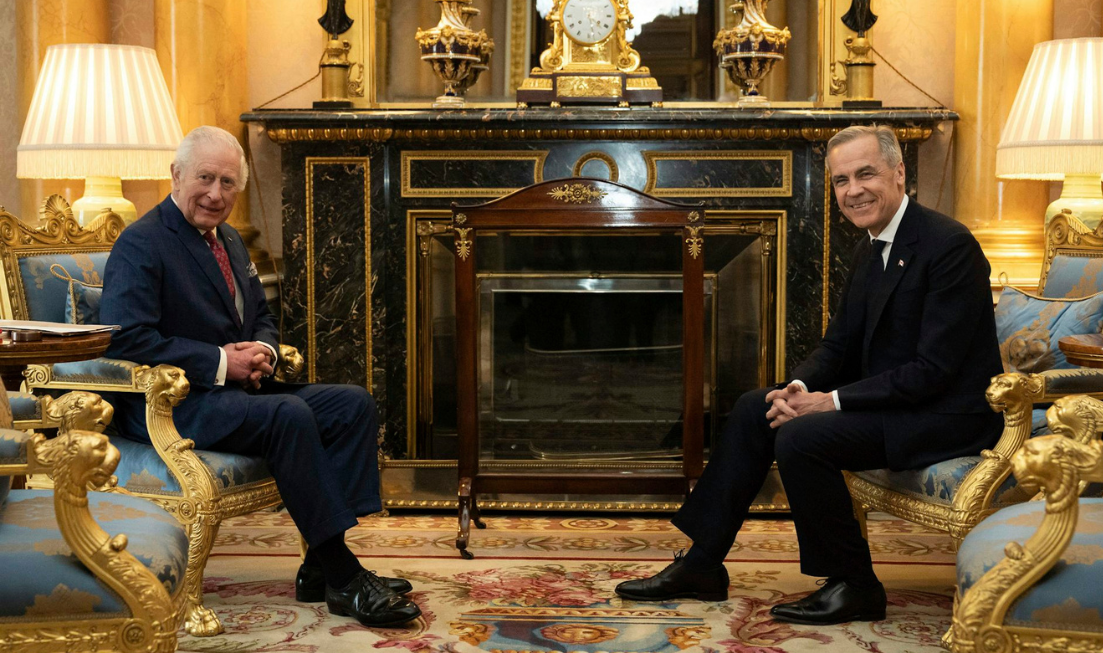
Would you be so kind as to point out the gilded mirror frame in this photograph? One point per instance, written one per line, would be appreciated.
(370, 24)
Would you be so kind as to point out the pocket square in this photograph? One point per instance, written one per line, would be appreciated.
(252, 270)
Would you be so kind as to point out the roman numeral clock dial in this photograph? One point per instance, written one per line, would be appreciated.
(590, 60)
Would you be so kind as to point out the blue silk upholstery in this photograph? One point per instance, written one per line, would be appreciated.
(82, 305)
(46, 294)
(1029, 328)
(24, 406)
(1073, 276)
(13, 447)
(97, 370)
(939, 482)
(42, 578)
(142, 470)
(1066, 598)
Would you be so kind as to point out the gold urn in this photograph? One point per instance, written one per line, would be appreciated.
(749, 50)
(453, 50)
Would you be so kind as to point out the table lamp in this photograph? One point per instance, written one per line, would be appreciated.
(102, 113)
(1055, 129)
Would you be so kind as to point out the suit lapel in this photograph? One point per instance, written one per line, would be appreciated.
(900, 255)
(200, 251)
(239, 264)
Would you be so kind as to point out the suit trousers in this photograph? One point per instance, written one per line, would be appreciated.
(810, 451)
(319, 442)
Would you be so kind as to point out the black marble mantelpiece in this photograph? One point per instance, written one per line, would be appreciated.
(363, 172)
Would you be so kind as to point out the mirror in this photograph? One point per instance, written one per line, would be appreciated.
(674, 39)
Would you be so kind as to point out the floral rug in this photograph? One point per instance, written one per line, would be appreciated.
(545, 583)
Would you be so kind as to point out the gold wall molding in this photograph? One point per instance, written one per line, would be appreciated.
(311, 343)
(536, 157)
(652, 159)
(373, 134)
(610, 162)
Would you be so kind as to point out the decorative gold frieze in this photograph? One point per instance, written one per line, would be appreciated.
(576, 193)
(374, 134)
(586, 86)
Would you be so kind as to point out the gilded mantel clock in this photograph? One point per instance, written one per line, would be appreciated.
(589, 60)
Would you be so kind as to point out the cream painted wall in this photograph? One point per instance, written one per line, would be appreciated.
(916, 36)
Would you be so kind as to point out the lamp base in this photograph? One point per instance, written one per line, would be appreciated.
(103, 194)
(1083, 195)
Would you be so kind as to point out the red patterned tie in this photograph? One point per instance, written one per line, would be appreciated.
(223, 260)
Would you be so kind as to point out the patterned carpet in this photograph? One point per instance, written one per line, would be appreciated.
(545, 583)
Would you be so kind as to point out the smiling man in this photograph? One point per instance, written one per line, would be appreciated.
(180, 284)
(897, 382)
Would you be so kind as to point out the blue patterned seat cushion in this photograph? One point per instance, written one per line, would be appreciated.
(1066, 597)
(97, 370)
(25, 407)
(1028, 328)
(42, 578)
(13, 446)
(45, 293)
(939, 482)
(142, 470)
(1074, 276)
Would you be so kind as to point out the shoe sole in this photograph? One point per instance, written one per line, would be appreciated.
(380, 624)
(817, 622)
(700, 596)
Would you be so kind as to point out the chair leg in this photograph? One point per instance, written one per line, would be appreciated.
(860, 511)
(199, 620)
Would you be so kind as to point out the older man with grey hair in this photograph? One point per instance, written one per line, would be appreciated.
(898, 381)
(180, 284)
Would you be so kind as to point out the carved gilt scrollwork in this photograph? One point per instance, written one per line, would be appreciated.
(694, 241)
(463, 245)
(577, 193)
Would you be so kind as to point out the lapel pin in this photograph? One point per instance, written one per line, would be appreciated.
(900, 262)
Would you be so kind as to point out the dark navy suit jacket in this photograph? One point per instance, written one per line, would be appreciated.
(920, 342)
(163, 285)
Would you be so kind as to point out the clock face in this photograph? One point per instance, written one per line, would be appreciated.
(589, 21)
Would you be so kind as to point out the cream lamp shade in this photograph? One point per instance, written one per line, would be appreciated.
(101, 112)
(1055, 128)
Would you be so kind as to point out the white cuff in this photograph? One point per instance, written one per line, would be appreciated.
(835, 398)
(275, 354)
(801, 384)
(220, 375)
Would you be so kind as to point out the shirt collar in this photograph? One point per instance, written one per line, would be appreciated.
(202, 232)
(889, 232)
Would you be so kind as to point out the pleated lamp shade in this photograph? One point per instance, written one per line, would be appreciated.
(1056, 123)
(102, 113)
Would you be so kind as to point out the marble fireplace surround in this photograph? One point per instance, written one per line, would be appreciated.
(356, 182)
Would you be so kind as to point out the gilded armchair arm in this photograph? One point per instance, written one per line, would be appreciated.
(1058, 464)
(1015, 395)
(98, 375)
(77, 460)
(290, 364)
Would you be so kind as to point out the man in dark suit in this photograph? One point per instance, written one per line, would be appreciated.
(180, 284)
(898, 381)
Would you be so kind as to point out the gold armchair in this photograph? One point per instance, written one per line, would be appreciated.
(115, 600)
(1043, 594)
(199, 488)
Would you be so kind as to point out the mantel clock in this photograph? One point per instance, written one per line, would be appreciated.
(589, 60)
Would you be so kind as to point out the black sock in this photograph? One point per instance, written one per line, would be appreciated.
(863, 580)
(336, 561)
(698, 558)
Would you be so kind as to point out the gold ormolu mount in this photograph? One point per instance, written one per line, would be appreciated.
(455, 51)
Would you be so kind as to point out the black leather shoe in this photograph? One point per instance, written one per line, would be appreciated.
(836, 602)
(310, 585)
(678, 581)
(371, 602)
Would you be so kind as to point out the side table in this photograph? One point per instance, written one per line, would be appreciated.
(1085, 350)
